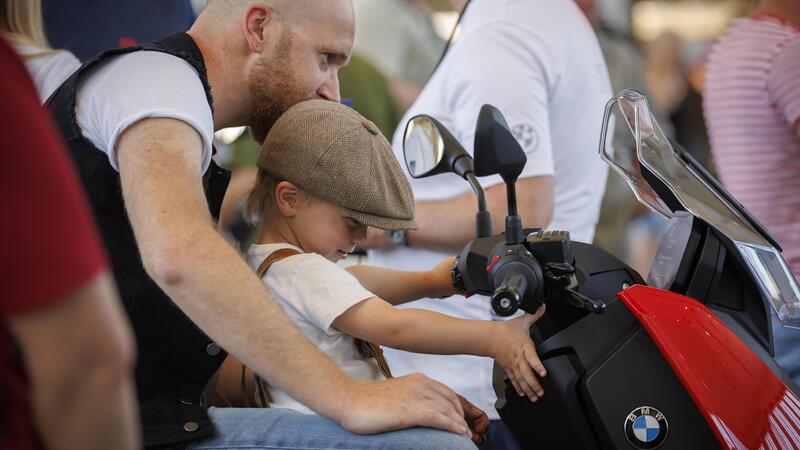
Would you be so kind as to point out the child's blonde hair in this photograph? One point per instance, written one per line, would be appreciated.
(21, 22)
(260, 199)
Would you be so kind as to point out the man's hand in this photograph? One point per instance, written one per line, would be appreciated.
(404, 402)
(513, 349)
(477, 420)
(376, 239)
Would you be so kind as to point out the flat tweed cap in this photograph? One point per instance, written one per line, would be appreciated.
(332, 152)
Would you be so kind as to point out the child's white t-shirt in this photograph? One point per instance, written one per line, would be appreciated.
(314, 292)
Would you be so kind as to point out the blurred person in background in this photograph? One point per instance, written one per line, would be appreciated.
(398, 38)
(672, 72)
(752, 108)
(551, 87)
(620, 207)
(369, 92)
(87, 28)
(21, 26)
(66, 349)
(663, 70)
(688, 119)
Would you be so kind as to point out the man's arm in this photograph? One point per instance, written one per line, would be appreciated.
(159, 162)
(448, 225)
(79, 355)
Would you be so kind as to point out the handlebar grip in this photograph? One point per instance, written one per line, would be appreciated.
(508, 294)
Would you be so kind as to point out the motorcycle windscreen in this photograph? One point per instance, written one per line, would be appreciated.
(702, 200)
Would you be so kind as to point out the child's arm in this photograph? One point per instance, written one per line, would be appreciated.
(424, 331)
(397, 286)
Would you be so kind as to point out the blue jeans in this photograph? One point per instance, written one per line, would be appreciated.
(275, 428)
(499, 437)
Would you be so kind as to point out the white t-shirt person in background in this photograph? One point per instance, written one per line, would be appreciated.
(539, 63)
(21, 26)
(48, 68)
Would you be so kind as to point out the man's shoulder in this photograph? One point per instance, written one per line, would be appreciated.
(141, 75)
(157, 64)
(142, 84)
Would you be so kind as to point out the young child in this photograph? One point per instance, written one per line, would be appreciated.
(325, 175)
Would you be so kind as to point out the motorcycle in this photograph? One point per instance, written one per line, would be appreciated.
(683, 360)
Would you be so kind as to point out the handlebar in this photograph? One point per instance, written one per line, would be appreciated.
(508, 294)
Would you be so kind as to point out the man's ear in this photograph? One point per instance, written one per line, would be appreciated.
(256, 19)
(287, 197)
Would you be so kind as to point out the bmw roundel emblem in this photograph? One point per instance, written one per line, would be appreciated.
(646, 427)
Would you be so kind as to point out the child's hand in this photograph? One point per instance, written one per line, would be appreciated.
(513, 349)
(441, 279)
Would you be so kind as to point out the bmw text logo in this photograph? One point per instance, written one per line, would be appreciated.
(646, 427)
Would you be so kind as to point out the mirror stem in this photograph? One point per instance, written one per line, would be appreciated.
(511, 197)
(514, 233)
(483, 219)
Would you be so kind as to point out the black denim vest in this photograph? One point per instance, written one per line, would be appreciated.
(175, 358)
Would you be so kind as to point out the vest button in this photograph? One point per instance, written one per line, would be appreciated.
(212, 349)
(191, 426)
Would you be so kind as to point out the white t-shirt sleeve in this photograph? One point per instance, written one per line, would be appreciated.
(141, 85)
(501, 50)
(317, 289)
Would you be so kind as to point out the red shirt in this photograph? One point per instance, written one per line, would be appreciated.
(752, 107)
(48, 241)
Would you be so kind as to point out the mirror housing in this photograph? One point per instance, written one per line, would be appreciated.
(426, 140)
(426, 136)
(498, 152)
(496, 149)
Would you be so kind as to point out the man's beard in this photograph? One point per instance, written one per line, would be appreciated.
(273, 90)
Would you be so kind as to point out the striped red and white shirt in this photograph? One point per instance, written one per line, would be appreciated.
(752, 109)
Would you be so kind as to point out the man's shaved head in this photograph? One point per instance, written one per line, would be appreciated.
(264, 56)
(285, 10)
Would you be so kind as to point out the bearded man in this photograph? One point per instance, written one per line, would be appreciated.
(139, 123)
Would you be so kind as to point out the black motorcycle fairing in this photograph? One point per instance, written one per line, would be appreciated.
(595, 379)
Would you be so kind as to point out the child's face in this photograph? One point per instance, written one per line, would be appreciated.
(323, 227)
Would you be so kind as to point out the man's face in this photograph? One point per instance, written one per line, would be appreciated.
(304, 63)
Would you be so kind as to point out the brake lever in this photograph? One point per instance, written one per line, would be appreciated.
(563, 280)
(579, 300)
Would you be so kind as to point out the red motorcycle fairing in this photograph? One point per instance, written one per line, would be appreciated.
(745, 404)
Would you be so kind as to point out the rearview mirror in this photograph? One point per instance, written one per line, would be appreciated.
(422, 147)
(498, 152)
(430, 149)
(496, 149)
